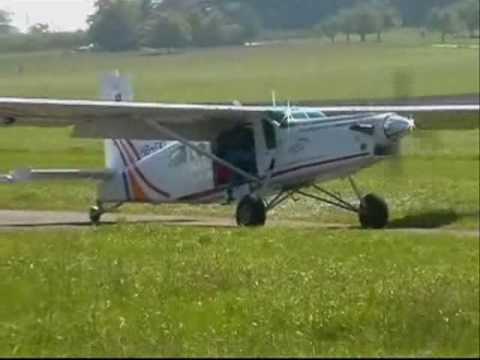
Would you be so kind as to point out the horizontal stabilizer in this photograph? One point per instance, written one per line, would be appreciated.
(29, 175)
(6, 179)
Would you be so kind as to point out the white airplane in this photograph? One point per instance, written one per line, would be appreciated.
(258, 156)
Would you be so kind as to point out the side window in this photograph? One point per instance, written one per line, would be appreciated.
(178, 156)
(270, 135)
(195, 156)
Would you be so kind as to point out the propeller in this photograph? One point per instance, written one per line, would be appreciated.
(403, 82)
(402, 90)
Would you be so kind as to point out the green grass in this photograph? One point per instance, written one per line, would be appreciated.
(148, 290)
(155, 291)
(427, 194)
(299, 70)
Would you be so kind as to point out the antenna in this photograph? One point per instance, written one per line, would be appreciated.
(274, 98)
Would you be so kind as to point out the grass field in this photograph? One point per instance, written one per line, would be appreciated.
(148, 290)
(155, 291)
(299, 70)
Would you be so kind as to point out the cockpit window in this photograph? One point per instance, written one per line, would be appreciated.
(195, 155)
(299, 116)
(316, 115)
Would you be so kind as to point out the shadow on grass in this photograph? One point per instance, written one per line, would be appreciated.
(431, 220)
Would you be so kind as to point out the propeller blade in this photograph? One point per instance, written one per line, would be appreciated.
(403, 81)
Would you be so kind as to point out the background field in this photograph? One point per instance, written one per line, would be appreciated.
(298, 70)
(151, 290)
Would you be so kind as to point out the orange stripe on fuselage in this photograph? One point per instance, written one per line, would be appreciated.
(138, 193)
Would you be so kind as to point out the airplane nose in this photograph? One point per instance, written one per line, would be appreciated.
(397, 127)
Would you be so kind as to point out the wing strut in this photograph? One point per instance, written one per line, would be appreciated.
(197, 149)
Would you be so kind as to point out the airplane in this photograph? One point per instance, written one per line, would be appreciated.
(255, 156)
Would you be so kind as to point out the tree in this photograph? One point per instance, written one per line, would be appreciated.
(207, 27)
(345, 19)
(387, 17)
(114, 25)
(469, 13)
(244, 19)
(330, 28)
(167, 30)
(365, 20)
(5, 23)
(444, 20)
(146, 9)
(39, 29)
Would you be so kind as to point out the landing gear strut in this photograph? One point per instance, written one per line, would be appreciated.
(373, 212)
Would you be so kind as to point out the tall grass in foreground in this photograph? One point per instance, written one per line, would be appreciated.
(154, 291)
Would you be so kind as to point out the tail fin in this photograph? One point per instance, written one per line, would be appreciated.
(115, 87)
(120, 154)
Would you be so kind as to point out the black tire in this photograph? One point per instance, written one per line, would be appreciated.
(251, 212)
(374, 213)
(95, 215)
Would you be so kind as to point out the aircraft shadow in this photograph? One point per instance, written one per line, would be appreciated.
(430, 220)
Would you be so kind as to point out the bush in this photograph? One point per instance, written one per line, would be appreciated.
(166, 31)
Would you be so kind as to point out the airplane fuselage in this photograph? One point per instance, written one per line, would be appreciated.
(310, 148)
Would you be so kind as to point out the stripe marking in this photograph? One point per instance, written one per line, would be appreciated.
(141, 175)
(138, 191)
(198, 196)
(126, 186)
(134, 149)
(128, 154)
(150, 185)
(124, 160)
(325, 162)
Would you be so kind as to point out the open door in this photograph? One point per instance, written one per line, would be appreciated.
(237, 147)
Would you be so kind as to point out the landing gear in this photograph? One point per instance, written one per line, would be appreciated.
(96, 212)
(373, 212)
(95, 215)
(251, 211)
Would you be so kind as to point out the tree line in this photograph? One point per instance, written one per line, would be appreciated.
(171, 23)
(180, 23)
(118, 25)
(376, 16)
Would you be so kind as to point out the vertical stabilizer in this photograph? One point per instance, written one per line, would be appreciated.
(115, 87)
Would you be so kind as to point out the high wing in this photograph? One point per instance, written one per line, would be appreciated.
(128, 120)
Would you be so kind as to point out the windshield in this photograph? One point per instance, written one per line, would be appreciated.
(310, 115)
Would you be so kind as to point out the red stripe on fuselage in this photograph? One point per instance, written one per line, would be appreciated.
(204, 194)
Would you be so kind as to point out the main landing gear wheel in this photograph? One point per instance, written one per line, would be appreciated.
(251, 211)
(373, 213)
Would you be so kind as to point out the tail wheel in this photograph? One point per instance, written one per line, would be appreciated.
(95, 215)
(251, 212)
(374, 213)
